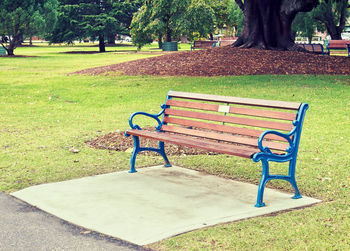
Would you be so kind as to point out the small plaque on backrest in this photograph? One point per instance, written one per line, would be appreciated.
(224, 108)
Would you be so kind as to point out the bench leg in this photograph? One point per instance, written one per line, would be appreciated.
(138, 149)
(292, 179)
(264, 179)
(134, 153)
(162, 152)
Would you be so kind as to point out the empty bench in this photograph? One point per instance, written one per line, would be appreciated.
(203, 44)
(339, 47)
(314, 48)
(261, 130)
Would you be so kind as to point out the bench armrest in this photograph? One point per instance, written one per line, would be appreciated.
(266, 152)
(154, 116)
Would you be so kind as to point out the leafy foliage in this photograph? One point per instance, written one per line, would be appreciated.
(26, 17)
(171, 19)
(304, 25)
(78, 19)
(332, 14)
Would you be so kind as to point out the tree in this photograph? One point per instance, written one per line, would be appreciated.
(304, 25)
(268, 23)
(43, 20)
(17, 18)
(333, 15)
(123, 11)
(170, 19)
(99, 19)
(236, 16)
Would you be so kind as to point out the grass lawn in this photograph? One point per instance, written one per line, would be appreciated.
(44, 113)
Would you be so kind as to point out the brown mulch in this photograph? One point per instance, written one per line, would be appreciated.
(224, 61)
(116, 141)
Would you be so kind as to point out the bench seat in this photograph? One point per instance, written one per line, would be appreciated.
(185, 140)
(261, 130)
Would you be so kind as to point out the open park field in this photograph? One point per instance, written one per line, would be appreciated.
(46, 115)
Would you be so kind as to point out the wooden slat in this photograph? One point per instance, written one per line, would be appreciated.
(234, 110)
(230, 119)
(236, 100)
(221, 128)
(245, 152)
(224, 137)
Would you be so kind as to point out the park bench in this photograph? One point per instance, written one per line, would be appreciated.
(226, 42)
(339, 47)
(203, 44)
(242, 127)
(315, 48)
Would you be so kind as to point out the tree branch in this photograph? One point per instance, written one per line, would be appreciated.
(240, 4)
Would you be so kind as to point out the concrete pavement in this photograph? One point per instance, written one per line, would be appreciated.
(155, 203)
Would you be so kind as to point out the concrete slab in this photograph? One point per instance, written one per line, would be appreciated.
(155, 203)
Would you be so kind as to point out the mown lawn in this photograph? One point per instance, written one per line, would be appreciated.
(44, 112)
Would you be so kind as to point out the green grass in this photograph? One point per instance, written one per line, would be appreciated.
(44, 112)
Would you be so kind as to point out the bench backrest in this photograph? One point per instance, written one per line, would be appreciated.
(226, 42)
(204, 43)
(230, 119)
(316, 48)
(338, 44)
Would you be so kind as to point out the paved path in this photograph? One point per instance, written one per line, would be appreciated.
(23, 227)
(155, 203)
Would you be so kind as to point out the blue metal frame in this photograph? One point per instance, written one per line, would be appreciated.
(266, 155)
(137, 147)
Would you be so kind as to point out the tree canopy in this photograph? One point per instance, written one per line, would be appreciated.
(171, 19)
(332, 14)
(78, 19)
(19, 18)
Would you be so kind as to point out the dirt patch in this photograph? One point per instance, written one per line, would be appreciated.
(224, 61)
(117, 141)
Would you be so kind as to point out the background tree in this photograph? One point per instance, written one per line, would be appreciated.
(78, 19)
(200, 17)
(236, 17)
(171, 19)
(268, 23)
(140, 30)
(16, 19)
(333, 15)
(123, 11)
(304, 25)
(43, 20)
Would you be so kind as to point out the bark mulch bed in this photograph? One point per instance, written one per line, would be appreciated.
(224, 61)
(116, 141)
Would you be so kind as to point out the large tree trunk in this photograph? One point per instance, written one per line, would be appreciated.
(13, 43)
(101, 45)
(168, 33)
(268, 23)
(160, 41)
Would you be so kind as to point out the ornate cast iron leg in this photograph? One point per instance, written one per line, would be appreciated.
(162, 152)
(264, 179)
(292, 179)
(134, 153)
